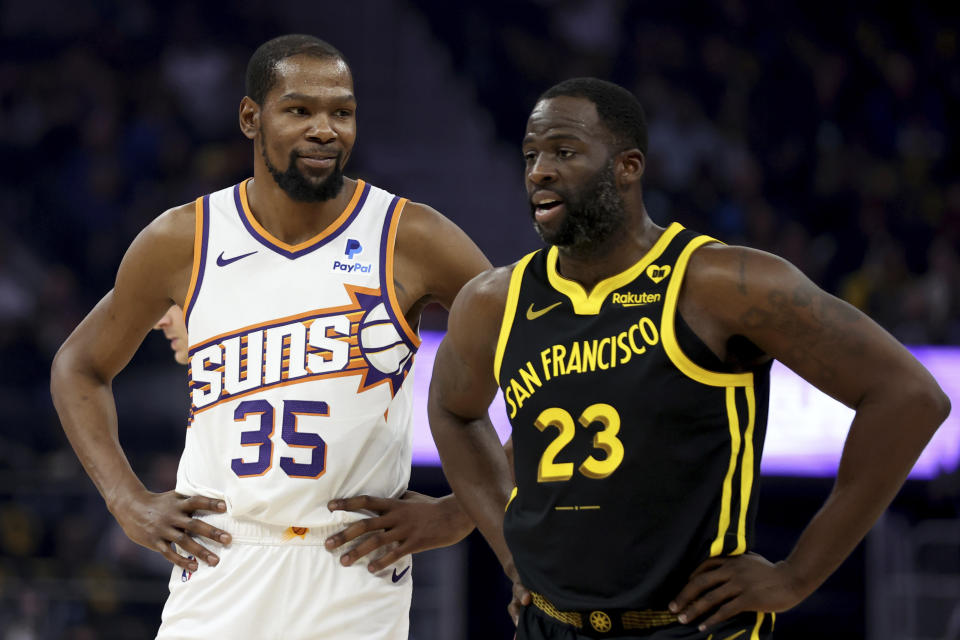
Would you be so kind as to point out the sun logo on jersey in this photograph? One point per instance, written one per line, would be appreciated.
(361, 338)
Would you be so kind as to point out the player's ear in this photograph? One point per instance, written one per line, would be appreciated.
(249, 117)
(630, 164)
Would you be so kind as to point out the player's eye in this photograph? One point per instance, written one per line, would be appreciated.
(566, 154)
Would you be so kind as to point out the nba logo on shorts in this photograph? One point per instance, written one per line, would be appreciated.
(353, 248)
(186, 575)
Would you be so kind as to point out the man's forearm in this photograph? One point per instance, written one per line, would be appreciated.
(885, 439)
(477, 469)
(88, 414)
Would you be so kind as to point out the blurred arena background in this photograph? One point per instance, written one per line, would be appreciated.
(824, 132)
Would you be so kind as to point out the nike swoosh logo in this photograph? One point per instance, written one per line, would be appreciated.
(222, 262)
(533, 315)
(396, 576)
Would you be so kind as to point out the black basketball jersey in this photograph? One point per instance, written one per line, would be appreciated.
(633, 461)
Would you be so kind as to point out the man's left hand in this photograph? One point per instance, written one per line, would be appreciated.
(409, 524)
(730, 585)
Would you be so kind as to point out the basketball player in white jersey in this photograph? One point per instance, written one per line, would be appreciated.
(302, 291)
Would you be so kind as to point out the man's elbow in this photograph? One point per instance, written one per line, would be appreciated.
(930, 400)
(66, 371)
(942, 404)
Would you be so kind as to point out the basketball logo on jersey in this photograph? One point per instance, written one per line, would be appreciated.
(380, 342)
(358, 338)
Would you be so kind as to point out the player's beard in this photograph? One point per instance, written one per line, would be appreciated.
(592, 216)
(297, 186)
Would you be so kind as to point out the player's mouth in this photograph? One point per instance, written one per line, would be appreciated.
(546, 206)
(318, 161)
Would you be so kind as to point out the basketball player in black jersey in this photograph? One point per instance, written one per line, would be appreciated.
(634, 363)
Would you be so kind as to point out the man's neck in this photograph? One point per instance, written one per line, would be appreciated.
(623, 249)
(289, 220)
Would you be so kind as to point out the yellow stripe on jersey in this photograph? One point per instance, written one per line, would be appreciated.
(339, 222)
(388, 271)
(510, 311)
(513, 494)
(756, 628)
(746, 472)
(589, 303)
(733, 420)
(668, 332)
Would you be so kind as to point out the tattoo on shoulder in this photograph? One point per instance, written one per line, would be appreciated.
(808, 318)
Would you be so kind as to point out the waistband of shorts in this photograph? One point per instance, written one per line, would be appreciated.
(605, 623)
(246, 531)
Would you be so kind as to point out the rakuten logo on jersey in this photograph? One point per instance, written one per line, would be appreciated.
(356, 267)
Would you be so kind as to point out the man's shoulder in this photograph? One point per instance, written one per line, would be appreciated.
(174, 223)
(489, 289)
(717, 260)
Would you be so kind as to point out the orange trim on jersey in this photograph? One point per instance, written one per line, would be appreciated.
(352, 290)
(342, 218)
(388, 273)
(197, 252)
(361, 371)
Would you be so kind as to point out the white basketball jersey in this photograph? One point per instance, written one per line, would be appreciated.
(300, 362)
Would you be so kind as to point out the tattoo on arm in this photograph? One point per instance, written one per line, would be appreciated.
(807, 318)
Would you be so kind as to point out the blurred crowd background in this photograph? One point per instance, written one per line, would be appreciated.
(824, 132)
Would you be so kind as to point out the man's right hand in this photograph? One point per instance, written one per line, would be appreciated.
(155, 520)
(521, 600)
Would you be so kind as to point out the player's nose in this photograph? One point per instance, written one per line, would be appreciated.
(541, 172)
(320, 130)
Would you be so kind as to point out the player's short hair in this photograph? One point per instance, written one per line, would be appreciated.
(262, 68)
(619, 110)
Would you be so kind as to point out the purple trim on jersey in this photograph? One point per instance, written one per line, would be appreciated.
(296, 254)
(279, 323)
(192, 302)
(379, 349)
(384, 282)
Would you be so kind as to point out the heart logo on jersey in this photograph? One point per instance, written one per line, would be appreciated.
(658, 273)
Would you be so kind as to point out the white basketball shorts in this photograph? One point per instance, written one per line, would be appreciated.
(276, 583)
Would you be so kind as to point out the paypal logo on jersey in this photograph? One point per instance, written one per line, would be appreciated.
(353, 248)
(356, 267)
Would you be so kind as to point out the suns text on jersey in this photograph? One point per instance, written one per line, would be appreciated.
(270, 355)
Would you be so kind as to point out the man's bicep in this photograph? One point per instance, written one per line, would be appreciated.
(823, 339)
(463, 378)
(461, 385)
(448, 257)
